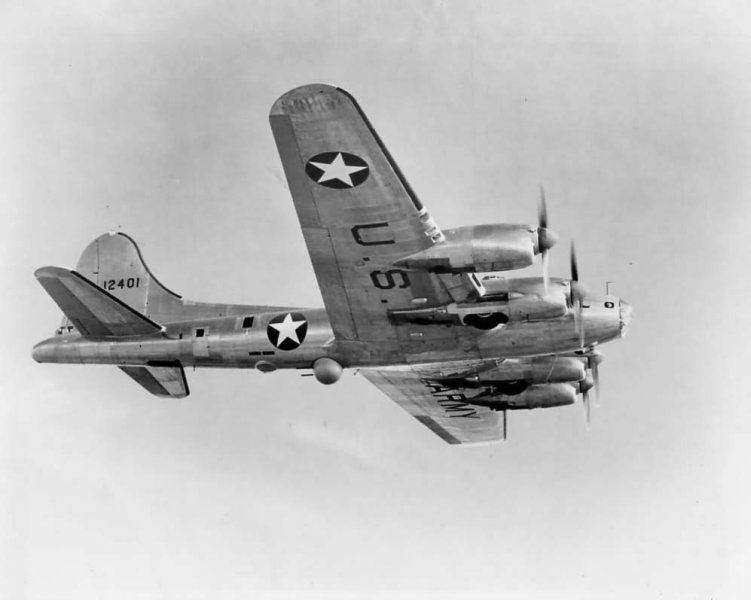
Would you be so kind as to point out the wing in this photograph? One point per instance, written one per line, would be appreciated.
(166, 380)
(357, 211)
(442, 410)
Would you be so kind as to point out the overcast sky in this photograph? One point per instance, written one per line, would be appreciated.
(152, 118)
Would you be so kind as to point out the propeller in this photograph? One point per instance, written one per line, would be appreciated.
(584, 386)
(577, 294)
(594, 358)
(587, 408)
(591, 381)
(546, 239)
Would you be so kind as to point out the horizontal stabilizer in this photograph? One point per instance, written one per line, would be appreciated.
(167, 380)
(94, 312)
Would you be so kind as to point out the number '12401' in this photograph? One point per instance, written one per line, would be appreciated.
(130, 282)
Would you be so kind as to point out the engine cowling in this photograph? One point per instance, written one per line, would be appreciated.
(481, 248)
(560, 369)
(546, 395)
(487, 314)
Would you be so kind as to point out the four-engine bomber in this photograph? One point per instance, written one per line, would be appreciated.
(406, 304)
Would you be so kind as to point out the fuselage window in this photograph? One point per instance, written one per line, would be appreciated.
(200, 332)
(247, 322)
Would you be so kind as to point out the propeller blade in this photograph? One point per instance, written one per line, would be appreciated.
(581, 327)
(594, 368)
(542, 210)
(584, 386)
(576, 292)
(574, 266)
(546, 239)
(587, 407)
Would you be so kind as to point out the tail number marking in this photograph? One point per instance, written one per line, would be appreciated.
(113, 284)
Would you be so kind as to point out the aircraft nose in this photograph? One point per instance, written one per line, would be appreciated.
(625, 309)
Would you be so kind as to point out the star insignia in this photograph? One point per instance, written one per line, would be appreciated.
(287, 331)
(339, 170)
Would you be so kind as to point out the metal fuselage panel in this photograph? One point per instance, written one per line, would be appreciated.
(229, 342)
(216, 342)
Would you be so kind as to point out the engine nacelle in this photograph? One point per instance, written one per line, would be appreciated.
(513, 311)
(480, 248)
(497, 286)
(535, 396)
(488, 314)
(539, 370)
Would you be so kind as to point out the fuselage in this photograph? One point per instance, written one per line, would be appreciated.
(293, 338)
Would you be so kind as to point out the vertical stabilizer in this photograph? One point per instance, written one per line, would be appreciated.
(114, 263)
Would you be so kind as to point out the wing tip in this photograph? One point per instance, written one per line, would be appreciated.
(306, 98)
(50, 272)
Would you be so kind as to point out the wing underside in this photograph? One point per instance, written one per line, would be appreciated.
(358, 215)
(165, 380)
(445, 411)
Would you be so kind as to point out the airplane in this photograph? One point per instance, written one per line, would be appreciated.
(424, 314)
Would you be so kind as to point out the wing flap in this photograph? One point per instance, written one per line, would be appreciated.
(167, 380)
(444, 411)
(95, 313)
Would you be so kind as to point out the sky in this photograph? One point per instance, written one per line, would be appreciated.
(151, 118)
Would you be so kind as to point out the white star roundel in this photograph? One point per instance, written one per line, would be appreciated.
(338, 170)
(287, 331)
